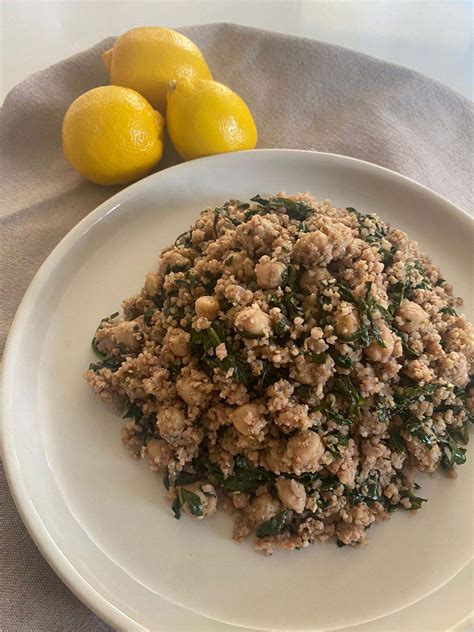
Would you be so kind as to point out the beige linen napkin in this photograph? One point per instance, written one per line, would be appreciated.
(303, 94)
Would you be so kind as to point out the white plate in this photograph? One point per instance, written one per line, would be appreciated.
(101, 519)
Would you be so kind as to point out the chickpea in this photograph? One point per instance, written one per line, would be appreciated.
(248, 419)
(151, 284)
(269, 274)
(273, 457)
(158, 452)
(291, 493)
(310, 279)
(178, 341)
(304, 451)
(190, 388)
(207, 306)
(253, 321)
(411, 316)
(171, 422)
(174, 259)
(263, 508)
(315, 244)
(376, 352)
(125, 333)
(347, 322)
(235, 262)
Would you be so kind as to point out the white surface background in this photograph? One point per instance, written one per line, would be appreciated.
(433, 37)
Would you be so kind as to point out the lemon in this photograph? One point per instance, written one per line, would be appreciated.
(112, 135)
(146, 59)
(206, 117)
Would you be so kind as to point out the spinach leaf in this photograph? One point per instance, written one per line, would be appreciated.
(329, 484)
(204, 340)
(404, 397)
(414, 427)
(94, 346)
(367, 307)
(396, 440)
(186, 478)
(148, 316)
(280, 327)
(242, 206)
(110, 362)
(342, 360)
(416, 501)
(451, 453)
(457, 409)
(246, 477)
(96, 349)
(193, 502)
(133, 412)
(294, 209)
(166, 479)
(338, 418)
(317, 358)
(275, 525)
(176, 508)
(184, 239)
(448, 310)
(346, 389)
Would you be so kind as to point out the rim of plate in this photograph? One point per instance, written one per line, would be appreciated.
(73, 579)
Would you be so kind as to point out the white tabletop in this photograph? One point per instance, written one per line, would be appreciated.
(433, 37)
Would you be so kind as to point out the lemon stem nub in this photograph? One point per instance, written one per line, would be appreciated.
(171, 86)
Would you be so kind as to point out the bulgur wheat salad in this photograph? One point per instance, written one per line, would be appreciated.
(294, 364)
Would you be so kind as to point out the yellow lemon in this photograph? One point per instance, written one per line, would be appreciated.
(148, 58)
(206, 117)
(112, 135)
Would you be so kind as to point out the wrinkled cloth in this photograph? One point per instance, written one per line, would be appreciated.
(303, 94)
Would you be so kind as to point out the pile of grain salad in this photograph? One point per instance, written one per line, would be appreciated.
(294, 364)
